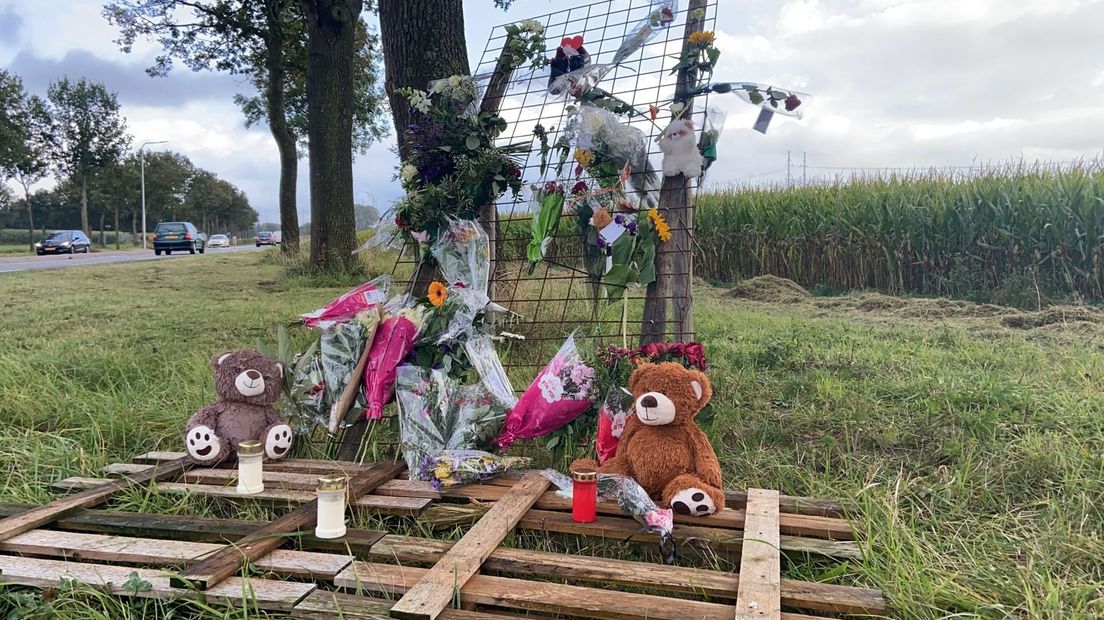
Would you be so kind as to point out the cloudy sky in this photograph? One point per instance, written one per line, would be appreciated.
(897, 83)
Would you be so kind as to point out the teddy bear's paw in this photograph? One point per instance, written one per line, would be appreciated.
(203, 444)
(694, 502)
(278, 441)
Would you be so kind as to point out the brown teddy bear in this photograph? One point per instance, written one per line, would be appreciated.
(662, 448)
(247, 384)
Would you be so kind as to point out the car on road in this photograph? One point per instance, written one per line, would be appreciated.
(264, 238)
(218, 241)
(278, 237)
(179, 236)
(63, 242)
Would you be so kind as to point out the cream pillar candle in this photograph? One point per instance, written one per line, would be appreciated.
(250, 473)
(331, 507)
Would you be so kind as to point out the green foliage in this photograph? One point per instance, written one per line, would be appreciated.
(89, 131)
(1020, 236)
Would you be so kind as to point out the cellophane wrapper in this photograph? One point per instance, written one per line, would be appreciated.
(629, 495)
(464, 255)
(483, 356)
(602, 132)
(308, 393)
(710, 137)
(349, 304)
(561, 392)
(394, 340)
(450, 468)
(661, 16)
(437, 414)
(615, 412)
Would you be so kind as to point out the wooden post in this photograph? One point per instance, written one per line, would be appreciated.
(674, 258)
(759, 593)
(488, 213)
(41, 515)
(435, 590)
(228, 561)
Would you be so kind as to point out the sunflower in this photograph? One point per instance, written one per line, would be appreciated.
(437, 294)
(584, 157)
(703, 39)
(662, 229)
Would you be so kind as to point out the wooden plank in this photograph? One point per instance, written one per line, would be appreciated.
(422, 551)
(268, 537)
(374, 504)
(604, 571)
(760, 564)
(326, 605)
(303, 466)
(266, 593)
(155, 552)
(718, 539)
(41, 515)
(433, 592)
(540, 596)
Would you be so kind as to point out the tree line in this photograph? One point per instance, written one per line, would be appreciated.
(77, 132)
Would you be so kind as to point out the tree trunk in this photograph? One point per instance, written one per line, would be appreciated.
(674, 258)
(331, 28)
(103, 233)
(277, 124)
(84, 206)
(134, 225)
(423, 40)
(30, 216)
(116, 227)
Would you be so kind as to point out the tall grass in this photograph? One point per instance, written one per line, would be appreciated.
(987, 237)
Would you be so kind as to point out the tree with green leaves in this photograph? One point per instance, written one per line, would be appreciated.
(266, 41)
(89, 133)
(25, 137)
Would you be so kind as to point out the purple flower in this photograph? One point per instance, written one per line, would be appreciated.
(631, 228)
(791, 103)
(620, 219)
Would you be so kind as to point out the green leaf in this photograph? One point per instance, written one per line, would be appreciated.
(472, 142)
(446, 148)
(755, 97)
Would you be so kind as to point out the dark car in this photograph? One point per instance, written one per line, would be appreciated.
(265, 238)
(169, 236)
(63, 242)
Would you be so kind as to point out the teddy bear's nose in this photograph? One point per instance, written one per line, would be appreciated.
(253, 374)
(648, 401)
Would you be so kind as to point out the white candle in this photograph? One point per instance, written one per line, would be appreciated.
(250, 474)
(331, 507)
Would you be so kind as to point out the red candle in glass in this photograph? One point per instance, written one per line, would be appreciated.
(584, 495)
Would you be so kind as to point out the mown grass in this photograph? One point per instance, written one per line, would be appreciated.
(975, 451)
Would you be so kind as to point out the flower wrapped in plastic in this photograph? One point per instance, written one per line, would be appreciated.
(343, 345)
(306, 390)
(395, 339)
(483, 357)
(349, 304)
(616, 409)
(561, 392)
(435, 414)
(633, 501)
(710, 136)
(661, 16)
(611, 152)
(463, 253)
(550, 203)
(451, 468)
(778, 100)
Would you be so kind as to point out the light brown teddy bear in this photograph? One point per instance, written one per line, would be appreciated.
(662, 448)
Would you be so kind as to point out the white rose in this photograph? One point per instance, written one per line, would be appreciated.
(409, 171)
(532, 25)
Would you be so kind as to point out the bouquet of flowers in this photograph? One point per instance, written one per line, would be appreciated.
(484, 358)
(615, 412)
(394, 340)
(550, 204)
(710, 136)
(343, 346)
(611, 152)
(305, 386)
(562, 391)
(450, 468)
(661, 16)
(437, 414)
(455, 166)
(633, 501)
(463, 254)
(349, 304)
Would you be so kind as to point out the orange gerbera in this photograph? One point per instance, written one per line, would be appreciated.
(437, 293)
(704, 38)
(662, 229)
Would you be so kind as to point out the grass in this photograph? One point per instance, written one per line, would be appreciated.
(975, 450)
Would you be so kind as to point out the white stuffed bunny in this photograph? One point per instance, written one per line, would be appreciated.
(679, 144)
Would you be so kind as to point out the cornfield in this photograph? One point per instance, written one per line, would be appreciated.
(991, 237)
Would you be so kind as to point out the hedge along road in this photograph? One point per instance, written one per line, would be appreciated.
(27, 263)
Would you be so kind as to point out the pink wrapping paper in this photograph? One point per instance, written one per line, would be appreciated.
(393, 342)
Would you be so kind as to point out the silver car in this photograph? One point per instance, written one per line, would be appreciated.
(218, 241)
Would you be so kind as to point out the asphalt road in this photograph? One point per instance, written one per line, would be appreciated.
(25, 263)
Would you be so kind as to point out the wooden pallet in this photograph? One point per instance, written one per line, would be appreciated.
(376, 574)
